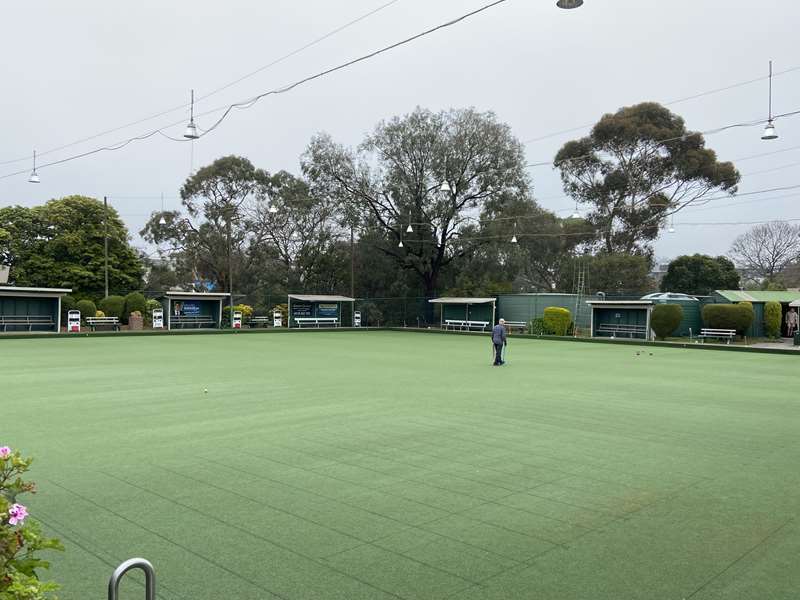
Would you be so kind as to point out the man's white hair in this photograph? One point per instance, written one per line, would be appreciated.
(502, 321)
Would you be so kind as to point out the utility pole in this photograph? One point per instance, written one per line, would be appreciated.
(352, 264)
(230, 269)
(105, 238)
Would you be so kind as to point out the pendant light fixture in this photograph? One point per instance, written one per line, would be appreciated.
(162, 220)
(769, 130)
(191, 128)
(568, 4)
(671, 224)
(445, 187)
(34, 177)
(514, 237)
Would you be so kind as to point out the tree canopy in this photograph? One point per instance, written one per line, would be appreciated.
(60, 244)
(636, 168)
(433, 171)
(699, 275)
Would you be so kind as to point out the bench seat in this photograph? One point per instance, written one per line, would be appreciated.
(28, 321)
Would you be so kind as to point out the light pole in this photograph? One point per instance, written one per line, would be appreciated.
(105, 240)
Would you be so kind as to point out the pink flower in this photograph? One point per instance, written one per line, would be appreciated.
(17, 514)
(5, 452)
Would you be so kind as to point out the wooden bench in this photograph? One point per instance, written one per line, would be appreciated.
(28, 321)
(464, 325)
(720, 334)
(521, 325)
(191, 320)
(332, 321)
(259, 321)
(617, 330)
(95, 322)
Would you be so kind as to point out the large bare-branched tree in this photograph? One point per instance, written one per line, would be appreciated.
(637, 167)
(433, 171)
(766, 250)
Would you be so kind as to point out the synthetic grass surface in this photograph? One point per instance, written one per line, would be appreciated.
(348, 465)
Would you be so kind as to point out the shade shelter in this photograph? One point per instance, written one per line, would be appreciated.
(466, 313)
(316, 310)
(759, 299)
(197, 310)
(30, 308)
(621, 318)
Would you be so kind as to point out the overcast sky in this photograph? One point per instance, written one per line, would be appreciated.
(74, 69)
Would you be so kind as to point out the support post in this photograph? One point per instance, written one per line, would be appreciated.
(105, 240)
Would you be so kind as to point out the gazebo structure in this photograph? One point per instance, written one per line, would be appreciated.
(30, 308)
(466, 313)
(621, 318)
(197, 310)
(316, 310)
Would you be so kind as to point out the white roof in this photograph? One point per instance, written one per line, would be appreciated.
(318, 298)
(196, 295)
(462, 300)
(620, 302)
(34, 290)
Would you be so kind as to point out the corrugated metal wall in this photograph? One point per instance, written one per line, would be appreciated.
(692, 319)
(526, 307)
(757, 328)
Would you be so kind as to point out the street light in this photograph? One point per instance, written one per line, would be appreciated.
(34, 178)
(191, 128)
(769, 130)
(568, 4)
(445, 187)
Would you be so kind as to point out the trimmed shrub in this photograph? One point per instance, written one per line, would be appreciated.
(557, 320)
(246, 309)
(728, 316)
(135, 301)
(665, 319)
(99, 313)
(772, 319)
(537, 327)
(113, 306)
(87, 308)
(68, 303)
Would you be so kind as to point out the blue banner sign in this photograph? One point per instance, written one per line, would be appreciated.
(327, 310)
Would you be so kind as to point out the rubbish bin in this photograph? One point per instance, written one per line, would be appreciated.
(797, 339)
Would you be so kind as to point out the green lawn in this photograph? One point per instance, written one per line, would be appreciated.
(350, 465)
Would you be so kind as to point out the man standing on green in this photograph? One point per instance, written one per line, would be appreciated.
(499, 340)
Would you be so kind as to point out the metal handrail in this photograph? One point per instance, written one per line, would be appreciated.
(133, 563)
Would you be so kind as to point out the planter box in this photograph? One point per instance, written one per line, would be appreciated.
(135, 323)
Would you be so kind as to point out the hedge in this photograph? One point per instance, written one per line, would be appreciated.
(728, 316)
(772, 319)
(68, 303)
(87, 308)
(135, 301)
(113, 306)
(557, 320)
(665, 319)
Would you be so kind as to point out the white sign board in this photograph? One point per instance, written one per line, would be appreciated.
(158, 318)
(357, 319)
(237, 319)
(277, 319)
(74, 321)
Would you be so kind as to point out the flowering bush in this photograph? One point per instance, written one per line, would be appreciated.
(20, 538)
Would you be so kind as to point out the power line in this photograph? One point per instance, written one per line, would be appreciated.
(287, 88)
(671, 103)
(214, 91)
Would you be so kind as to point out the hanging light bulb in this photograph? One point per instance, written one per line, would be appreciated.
(162, 220)
(671, 225)
(445, 187)
(769, 130)
(34, 177)
(273, 209)
(191, 128)
(400, 245)
(514, 237)
(569, 3)
(409, 229)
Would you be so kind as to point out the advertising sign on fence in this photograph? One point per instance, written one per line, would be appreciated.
(327, 310)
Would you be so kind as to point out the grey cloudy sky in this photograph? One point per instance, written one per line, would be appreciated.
(74, 69)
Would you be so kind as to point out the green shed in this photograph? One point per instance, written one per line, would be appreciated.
(30, 308)
(758, 299)
(621, 318)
